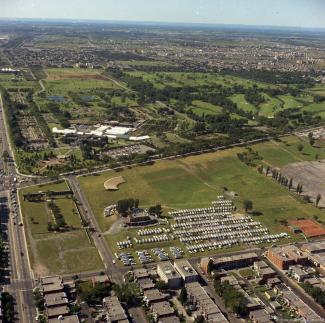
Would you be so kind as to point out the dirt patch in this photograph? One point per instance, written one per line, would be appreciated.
(311, 175)
(309, 228)
(40, 271)
(78, 76)
(113, 183)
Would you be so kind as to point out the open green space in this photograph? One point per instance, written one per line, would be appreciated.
(73, 247)
(196, 181)
(201, 107)
(285, 151)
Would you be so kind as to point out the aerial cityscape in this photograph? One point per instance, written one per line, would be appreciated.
(162, 162)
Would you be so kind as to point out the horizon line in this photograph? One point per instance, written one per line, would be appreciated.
(158, 23)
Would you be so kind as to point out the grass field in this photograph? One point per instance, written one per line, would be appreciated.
(196, 181)
(73, 248)
(201, 107)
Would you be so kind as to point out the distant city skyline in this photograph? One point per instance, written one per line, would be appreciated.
(286, 13)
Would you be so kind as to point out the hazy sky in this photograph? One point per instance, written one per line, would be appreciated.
(303, 13)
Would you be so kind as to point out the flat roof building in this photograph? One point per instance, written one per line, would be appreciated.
(56, 299)
(66, 319)
(236, 261)
(114, 310)
(286, 256)
(185, 269)
(162, 310)
(151, 296)
(55, 312)
(168, 274)
(313, 247)
(205, 305)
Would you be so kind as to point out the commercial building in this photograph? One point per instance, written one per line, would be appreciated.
(204, 304)
(114, 310)
(237, 261)
(185, 269)
(286, 256)
(169, 275)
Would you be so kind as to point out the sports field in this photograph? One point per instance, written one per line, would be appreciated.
(196, 181)
(52, 252)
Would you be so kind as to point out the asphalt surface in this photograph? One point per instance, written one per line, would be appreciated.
(115, 273)
(19, 281)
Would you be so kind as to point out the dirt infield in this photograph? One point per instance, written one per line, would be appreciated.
(309, 228)
(112, 184)
(311, 175)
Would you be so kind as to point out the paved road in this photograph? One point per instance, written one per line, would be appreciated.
(20, 282)
(114, 272)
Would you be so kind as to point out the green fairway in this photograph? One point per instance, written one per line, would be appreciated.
(201, 107)
(240, 100)
(74, 249)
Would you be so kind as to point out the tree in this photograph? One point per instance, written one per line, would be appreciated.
(183, 296)
(312, 141)
(248, 205)
(318, 198)
(5, 155)
(290, 184)
(210, 267)
(300, 147)
(199, 319)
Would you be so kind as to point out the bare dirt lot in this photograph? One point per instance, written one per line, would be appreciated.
(113, 183)
(311, 175)
(76, 75)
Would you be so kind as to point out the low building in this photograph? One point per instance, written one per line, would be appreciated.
(65, 319)
(185, 269)
(271, 282)
(237, 261)
(299, 273)
(204, 304)
(260, 316)
(151, 296)
(100, 279)
(52, 285)
(162, 310)
(139, 218)
(313, 247)
(55, 312)
(296, 304)
(145, 284)
(56, 299)
(170, 319)
(140, 273)
(286, 256)
(169, 275)
(264, 272)
(114, 310)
